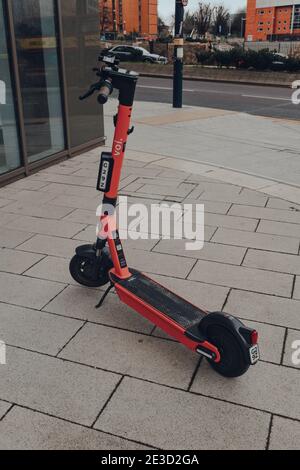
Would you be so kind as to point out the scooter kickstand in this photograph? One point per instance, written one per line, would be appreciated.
(104, 296)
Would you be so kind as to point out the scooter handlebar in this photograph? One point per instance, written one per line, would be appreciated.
(105, 92)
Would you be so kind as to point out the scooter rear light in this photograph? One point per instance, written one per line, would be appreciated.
(254, 338)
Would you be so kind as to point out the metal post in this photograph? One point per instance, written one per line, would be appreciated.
(243, 27)
(178, 52)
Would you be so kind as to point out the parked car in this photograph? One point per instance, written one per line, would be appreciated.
(135, 54)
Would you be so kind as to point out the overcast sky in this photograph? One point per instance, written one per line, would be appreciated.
(167, 7)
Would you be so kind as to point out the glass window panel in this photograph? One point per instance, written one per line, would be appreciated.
(81, 50)
(9, 145)
(36, 36)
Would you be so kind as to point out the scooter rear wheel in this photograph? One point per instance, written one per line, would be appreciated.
(233, 363)
(82, 270)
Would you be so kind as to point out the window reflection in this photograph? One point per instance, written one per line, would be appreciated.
(36, 36)
(81, 49)
(9, 148)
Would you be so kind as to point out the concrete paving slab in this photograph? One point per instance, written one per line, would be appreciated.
(259, 241)
(290, 193)
(267, 213)
(13, 238)
(226, 221)
(279, 228)
(66, 179)
(271, 261)
(29, 184)
(27, 292)
(266, 387)
(76, 202)
(82, 216)
(211, 206)
(17, 264)
(5, 217)
(151, 413)
(52, 386)
(257, 199)
(184, 190)
(128, 353)
(52, 246)
(5, 202)
(42, 211)
(52, 269)
(210, 252)
(285, 434)
(275, 203)
(45, 226)
(4, 407)
(264, 308)
(77, 302)
(36, 331)
(297, 288)
(226, 189)
(69, 190)
(29, 430)
(155, 263)
(242, 278)
(164, 182)
(183, 115)
(33, 197)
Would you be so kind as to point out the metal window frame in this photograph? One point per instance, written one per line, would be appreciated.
(26, 168)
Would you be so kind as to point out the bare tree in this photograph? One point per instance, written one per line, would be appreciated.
(163, 29)
(221, 17)
(236, 26)
(203, 18)
(189, 23)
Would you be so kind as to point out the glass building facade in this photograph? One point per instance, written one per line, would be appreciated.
(48, 49)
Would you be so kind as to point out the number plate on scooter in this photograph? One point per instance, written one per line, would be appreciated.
(254, 354)
(105, 172)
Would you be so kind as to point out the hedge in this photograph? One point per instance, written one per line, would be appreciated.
(237, 57)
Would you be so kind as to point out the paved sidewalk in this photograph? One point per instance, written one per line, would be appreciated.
(77, 378)
(263, 147)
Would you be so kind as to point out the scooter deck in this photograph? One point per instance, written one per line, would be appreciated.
(169, 304)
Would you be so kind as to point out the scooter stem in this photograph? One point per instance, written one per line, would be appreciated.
(119, 148)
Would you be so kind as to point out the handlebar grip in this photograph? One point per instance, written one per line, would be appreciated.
(104, 93)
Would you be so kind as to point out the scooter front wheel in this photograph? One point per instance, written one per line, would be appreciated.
(84, 271)
(233, 363)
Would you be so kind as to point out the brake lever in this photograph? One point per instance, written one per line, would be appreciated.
(89, 93)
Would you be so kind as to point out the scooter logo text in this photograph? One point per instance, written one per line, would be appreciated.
(296, 353)
(2, 92)
(296, 93)
(2, 353)
(118, 148)
(155, 221)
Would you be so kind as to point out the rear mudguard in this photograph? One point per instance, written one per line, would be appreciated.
(233, 325)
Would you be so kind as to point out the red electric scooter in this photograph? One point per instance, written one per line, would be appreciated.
(228, 345)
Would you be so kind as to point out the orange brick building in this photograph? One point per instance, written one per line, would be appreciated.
(270, 20)
(129, 16)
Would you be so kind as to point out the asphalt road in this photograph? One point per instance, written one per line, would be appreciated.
(257, 100)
